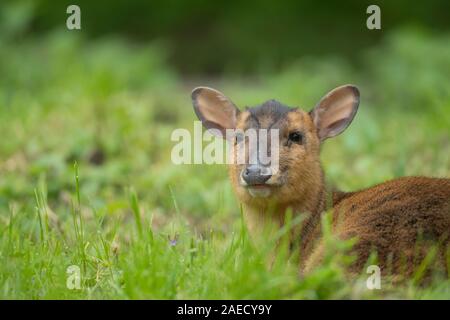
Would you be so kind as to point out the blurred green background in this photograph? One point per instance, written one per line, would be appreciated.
(205, 37)
(108, 97)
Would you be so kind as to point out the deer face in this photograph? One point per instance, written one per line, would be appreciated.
(275, 148)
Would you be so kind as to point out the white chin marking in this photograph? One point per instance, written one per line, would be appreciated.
(259, 192)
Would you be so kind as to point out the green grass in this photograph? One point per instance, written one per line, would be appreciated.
(86, 177)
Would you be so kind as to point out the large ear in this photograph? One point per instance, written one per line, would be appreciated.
(214, 110)
(335, 111)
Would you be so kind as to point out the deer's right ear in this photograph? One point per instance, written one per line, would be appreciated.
(335, 111)
(214, 110)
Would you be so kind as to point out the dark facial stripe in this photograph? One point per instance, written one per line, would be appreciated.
(271, 110)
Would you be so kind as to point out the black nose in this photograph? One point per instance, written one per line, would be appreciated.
(256, 174)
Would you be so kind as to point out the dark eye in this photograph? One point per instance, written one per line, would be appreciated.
(239, 138)
(296, 137)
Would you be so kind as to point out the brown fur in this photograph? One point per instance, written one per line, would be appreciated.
(399, 220)
(303, 190)
(388, 218)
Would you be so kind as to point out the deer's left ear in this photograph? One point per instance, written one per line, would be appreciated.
(214, 110)
(335, 111)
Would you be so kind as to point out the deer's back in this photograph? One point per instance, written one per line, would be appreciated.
(399, 219)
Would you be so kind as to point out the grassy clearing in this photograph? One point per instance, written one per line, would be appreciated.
(86, 177)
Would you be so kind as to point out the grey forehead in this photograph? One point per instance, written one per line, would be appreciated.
(271, 110)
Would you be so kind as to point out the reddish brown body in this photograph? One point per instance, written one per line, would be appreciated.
(400, 220)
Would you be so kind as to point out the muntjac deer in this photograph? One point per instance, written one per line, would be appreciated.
(388, 218)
